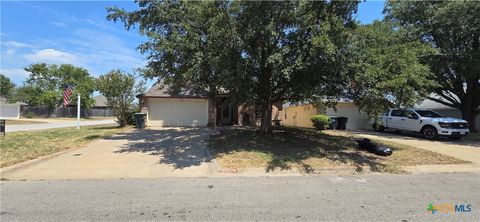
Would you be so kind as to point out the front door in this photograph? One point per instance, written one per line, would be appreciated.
(226, 114)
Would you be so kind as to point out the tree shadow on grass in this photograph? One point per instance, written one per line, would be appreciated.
(179, 147)
(289, 146)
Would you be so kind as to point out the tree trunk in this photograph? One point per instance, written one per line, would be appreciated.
(212, 112)
(266, 123)
(469, 114)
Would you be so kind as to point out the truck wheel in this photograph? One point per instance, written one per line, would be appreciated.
(429, 132)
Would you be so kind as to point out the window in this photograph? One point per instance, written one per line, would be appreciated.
(410, 114)
(397, 112)
(428, 113)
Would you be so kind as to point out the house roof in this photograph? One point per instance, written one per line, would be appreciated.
(4, 100)
(100, 101)
(162, 91)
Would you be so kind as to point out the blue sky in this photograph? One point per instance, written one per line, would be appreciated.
(78, 33)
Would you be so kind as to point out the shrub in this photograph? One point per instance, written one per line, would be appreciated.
(131, 118)
(29, 115)
(320, 122)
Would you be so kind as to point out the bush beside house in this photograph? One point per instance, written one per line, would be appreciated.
(320, 122)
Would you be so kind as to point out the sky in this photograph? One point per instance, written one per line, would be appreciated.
(78, 33)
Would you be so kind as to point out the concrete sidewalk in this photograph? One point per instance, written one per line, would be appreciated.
(51, 124)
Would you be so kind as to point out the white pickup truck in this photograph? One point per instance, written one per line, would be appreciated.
(427, 122)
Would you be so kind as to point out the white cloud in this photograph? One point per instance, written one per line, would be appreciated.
(59, 24)
(15, 74)
(10, 51)
(53, 56)
(15, 44)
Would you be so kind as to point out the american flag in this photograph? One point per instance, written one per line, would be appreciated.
(67, 92)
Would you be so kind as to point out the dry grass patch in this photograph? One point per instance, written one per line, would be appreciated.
(17, 147)
(310, 150)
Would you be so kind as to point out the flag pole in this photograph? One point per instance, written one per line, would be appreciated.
(78, 111)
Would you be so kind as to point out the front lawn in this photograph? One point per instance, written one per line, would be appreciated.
(310, 150)
(20, 121)
(17, 147)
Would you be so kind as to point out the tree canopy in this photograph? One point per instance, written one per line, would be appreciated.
(6, 86)
(452, 27)
(119, 89)
(387, 68)
(46, 83)
(256, 51)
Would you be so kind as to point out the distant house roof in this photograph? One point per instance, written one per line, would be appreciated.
(162, 91)
(4, 100)
(100, 101)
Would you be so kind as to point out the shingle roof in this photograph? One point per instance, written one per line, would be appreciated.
(4, 100)
(100, 101)
(160, 90)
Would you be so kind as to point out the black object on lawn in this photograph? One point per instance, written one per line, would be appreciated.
(372, 147)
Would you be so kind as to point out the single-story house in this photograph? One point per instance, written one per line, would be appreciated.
(166, 108)
(299, 115)
(100, 107)
(10, 110)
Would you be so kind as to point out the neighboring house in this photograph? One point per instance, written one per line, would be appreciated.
(165, 108)
(10, 110)
(299, 115)
(100, 107)
(444, 110)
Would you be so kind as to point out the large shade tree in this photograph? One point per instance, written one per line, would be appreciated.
(190, 44)
(48, 83)
(386, 68)
(453, 27)
(259, 51)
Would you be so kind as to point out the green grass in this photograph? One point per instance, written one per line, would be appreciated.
(309, 150)
(17, 147)
(473, 137)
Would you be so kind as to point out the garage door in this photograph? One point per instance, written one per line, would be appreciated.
(177, 112)
(9, 111)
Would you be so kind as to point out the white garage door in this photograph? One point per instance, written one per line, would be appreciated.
(356, 120)
(9, 111)
(177, 112)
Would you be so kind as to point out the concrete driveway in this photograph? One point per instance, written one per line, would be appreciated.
(146, 153)
(461, 149)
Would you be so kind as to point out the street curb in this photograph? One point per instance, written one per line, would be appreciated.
(33, 161)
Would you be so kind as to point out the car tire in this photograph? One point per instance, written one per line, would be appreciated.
(454, 137)
(429, 132)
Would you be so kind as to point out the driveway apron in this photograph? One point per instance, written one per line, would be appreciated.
(144, 153)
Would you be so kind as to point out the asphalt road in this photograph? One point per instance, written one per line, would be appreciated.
(353, 198)
(52, 125)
